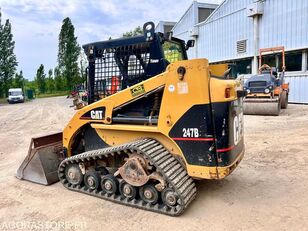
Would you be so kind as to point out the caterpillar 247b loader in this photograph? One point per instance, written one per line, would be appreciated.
(267, 92)
(152, 126)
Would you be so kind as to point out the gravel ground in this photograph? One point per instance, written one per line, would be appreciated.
(268, 191)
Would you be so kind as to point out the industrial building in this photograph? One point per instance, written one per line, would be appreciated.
(235, 30)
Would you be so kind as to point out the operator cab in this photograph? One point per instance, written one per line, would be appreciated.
(120, 63)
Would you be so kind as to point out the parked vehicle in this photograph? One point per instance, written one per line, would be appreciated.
(267, 92)
(16, 95)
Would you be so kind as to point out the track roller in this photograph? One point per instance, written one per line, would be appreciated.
(92, 180)
(109, 184)
(149, 194)
(128, 190)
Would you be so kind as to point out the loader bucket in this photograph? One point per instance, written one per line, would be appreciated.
(41, 163)
(262, 107)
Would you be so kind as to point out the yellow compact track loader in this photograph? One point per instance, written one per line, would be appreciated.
(155, 122)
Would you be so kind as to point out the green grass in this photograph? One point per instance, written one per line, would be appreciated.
(3, 100)
(46, 95)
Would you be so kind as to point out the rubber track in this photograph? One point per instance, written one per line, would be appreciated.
(172, 171)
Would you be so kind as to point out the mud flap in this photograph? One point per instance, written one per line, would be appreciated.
(44, 156)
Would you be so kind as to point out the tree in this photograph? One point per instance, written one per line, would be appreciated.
(68, 54)
(59, 82)
(30, 84)
(50, 83)
(18, 81)
(8, 61)
(137, 31)
(41, 79)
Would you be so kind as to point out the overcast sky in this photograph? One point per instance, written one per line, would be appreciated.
(36, 23)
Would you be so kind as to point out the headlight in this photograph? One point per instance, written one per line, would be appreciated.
(270, 87)
(267, 91)
(248, 91)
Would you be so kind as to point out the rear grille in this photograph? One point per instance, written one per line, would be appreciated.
(257, 84)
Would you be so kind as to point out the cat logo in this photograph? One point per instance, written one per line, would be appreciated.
(96, 115)
(138, 90)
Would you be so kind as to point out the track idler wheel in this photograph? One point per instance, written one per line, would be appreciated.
(109, 184)
(149, 194)
(169, 197)
(128, 190)
(92, 180)
(73, 174)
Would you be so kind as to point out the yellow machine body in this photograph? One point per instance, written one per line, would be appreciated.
(154, 122)
(179, 95)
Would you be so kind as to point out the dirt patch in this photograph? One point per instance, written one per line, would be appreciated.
(268, 191)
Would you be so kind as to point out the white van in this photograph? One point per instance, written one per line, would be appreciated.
(16, 95)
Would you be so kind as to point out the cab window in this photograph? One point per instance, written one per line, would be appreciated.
(173, 51)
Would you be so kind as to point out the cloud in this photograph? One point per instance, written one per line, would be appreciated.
(37, 23)
(107, 6)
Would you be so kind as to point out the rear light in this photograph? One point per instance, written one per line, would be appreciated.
(227, 93)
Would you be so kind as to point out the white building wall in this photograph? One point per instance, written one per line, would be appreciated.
(187, 22)
(160, 27)
(181, 29)
(283, 23)
(161, 24)
(229, 7)
(217, 38)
